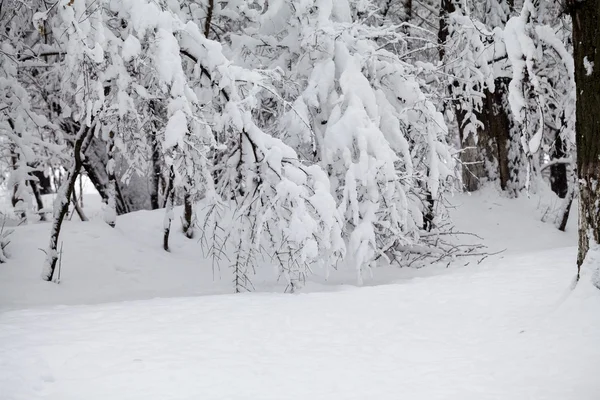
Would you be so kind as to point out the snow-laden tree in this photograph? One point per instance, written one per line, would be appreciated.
(361, 113)
(477, 75)
(529, 43)
(309, 131)
(138, 65)
(511, 87)
(21, 127)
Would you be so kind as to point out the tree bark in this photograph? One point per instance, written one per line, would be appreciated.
(209, 15)
(44, 183)
(559, 181)
(497, 134)
(156, 162)
(61, 207)
(446, 7)
(566, 208)
(170, 202)
(16, 200)
(110, 212)
(78, 208)
(95, 166)
(408, 10)
(188, 214)
(38, 200)
(586, 43)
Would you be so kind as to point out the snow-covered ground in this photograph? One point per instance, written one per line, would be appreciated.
(119, 327)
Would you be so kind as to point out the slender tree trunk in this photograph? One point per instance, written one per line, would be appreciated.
(559, 182)
(446, 7)
(61, 206)
(77, 208)
(110, 211)
(408, 10)
(188, 214)
(568, 202)
(170, 202)
(209, 15)
(156, 171)
(586, 43)
(38, 200)
(16, 198)
(80, 189)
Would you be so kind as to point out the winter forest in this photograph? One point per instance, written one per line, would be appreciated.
(293, 199)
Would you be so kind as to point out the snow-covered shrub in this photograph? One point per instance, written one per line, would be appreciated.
(361, 113)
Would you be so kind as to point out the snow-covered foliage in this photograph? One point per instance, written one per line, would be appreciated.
(469, 61)
(20, 125)
(486, 50)
(361, 113)
(314, 131)
(537, 95)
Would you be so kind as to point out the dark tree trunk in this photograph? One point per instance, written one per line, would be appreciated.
(586, 43)
(156, 171)
(188, 214)
(110, 213)
(559, 180)
(38, 200)
(61, 207)
(94, 164)
(497, 135)
(78, 208)
(446, 7)
(408, 9)
(156, 157)
(44, 182)
(209, 14)
(170, 202)
(566, 209)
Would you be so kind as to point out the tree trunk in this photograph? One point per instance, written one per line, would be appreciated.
(16, 198)
(78, 208)
(497, 125)
(559, 181)
(95, 165)
(408, 10)
(470, 156)
(170, 202)
(61, 207)
(188, 214)
(110, 211)
(586, 43)
(156, 171)
(38, 200)
(446, 7)
(44, 182)
(209, 14)
(566, 208)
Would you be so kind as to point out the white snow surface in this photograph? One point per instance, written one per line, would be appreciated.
(119, 326)
(588, 65)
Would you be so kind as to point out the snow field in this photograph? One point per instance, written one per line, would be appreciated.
(508, 328)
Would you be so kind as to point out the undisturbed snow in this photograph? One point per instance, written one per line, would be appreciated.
(509, 328)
